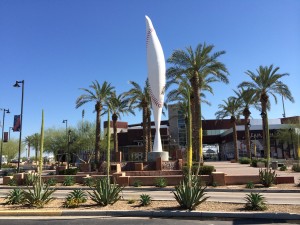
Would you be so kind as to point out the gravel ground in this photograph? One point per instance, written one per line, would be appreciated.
(155, 205)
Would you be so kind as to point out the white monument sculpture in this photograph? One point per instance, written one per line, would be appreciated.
(157, 81)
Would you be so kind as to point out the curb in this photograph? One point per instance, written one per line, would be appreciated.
(141, 213)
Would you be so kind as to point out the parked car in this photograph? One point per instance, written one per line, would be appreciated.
(15, 160)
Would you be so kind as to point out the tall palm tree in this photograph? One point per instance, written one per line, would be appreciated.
(119, 105)
(139, 97)
(231, 107)
(195, 65)
(98, 94)
(28, 140)
(248, 99)
(265, 82)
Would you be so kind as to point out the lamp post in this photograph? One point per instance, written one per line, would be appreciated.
(3, 122)
(21, 118)
(66, 122)
(248, 139)
(68, 153)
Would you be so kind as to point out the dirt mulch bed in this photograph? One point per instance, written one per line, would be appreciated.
(155, 205)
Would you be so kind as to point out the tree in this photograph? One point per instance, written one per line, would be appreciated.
(265, 82)
(231, 108)
(10, 149)
(139, 98)
(99, 95)
(247, 99)
(119, 105)
(196, 65)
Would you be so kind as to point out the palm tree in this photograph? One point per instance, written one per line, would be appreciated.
(265, 82)
(99, 95)
(28, 140)
(231, 107)
(248, 99)
(139, 97)
(119, 105)
(196, 65)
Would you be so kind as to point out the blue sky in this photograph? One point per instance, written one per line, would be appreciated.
(59, 46)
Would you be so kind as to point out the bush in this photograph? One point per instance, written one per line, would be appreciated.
(245, 160)
(267, 177)
(204, 170)
(254, 162)
(190, 194)
(69, 181)
(283, 168)
(131, 201)
(137, 183)
(73, 199)
(51, 182)
(145, 199)
(39, 195)
(71, 171)
(255, 202)
(16, 196)
(89, 181)
(105, 193)
(160, 182)
(296, 167)
(250, 185)
(12, 182)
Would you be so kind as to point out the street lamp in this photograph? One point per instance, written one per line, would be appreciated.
(68, 153)
(3, 121)
(21, 119)
(66, 122)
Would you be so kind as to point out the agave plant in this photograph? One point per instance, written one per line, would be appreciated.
(190, 193)
(145, 199)
(105, 193)
(76, 197)
(16, 196)
(39, 195)
(255, 201)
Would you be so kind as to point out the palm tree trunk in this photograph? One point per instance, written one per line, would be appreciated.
(246, 114)
(236, 151)
(200, 138)
(189, 141)
(98, 109)
(145, 133)
(114, 119)
(108, 146)
(149, 129)
(196, 112)
(266, 136)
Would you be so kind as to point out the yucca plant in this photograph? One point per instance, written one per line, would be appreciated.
(267, 177)
(255, 202)
(89, 182)
(16, 196)
(31, 178)
(51, 182)
(190, 193)
(12, 182)
(160, 182)
(250, 185)
(145, 199)
(104, 193)
(137, 183)
(39, 195)
(69, 181)
(73, 199)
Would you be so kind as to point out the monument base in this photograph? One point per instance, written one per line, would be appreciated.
(152, 156)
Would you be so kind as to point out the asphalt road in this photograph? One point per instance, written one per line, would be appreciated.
(135, 221)
(233, 197)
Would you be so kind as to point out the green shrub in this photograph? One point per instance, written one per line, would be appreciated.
(145, 199)
(104, 193)
(255, 202)
(254, 162)
(51, 173)
(267, 177)
(296, 167)
(204, 170)
(39, 195)
(190, 194)
(69, 181)
(137, 183)
(89, 181)
(160, 182)
(245, 160)
(16, 196)
(51, 182)
(131, 201)
(71, 171)
(250, 185)
(214, 184)
(12, 182)
(73, 199)
(283, 168)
